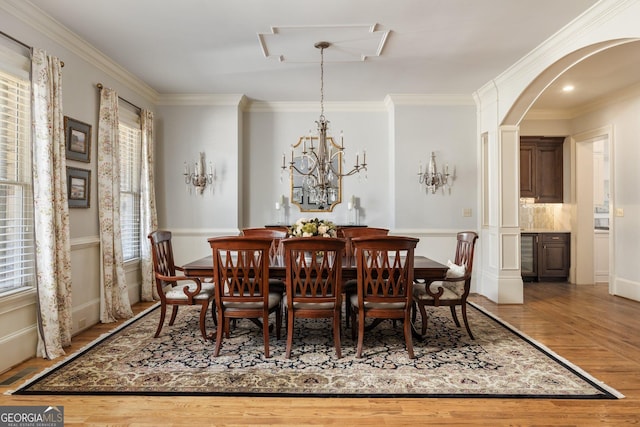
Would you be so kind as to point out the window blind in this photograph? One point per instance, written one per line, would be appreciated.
(130, 158)
(17, 254)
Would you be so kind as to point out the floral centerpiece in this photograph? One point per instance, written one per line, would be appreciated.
(305, 227)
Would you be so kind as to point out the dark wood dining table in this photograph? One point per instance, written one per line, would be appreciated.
(423, 269)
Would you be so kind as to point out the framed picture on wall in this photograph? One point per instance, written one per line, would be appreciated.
(77, 140)
(78, 187)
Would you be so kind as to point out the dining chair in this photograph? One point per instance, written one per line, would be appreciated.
(197, 292)
(241, 278)
(454, 289)
(384, 284)
(349, 233)
(275, 251)
(313, 282)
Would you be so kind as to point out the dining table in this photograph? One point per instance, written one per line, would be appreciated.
(424, 269)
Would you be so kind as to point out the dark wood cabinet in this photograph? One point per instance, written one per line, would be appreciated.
(545, 256)
(541, 162)
(553, 255)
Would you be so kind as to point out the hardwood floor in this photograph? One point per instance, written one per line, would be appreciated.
(596, 331)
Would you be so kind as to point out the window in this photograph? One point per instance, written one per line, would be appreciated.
(17, 255)
(130, 158)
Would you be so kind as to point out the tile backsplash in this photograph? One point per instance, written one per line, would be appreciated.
(543, 216)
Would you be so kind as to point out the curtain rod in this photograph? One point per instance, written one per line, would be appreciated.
(100, 86)
(13, 39)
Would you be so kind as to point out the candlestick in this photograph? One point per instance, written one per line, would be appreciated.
(201, 165)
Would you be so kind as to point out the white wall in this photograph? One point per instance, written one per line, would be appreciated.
(182, 133)
(270, 132)
(450, 132)
(388, 197)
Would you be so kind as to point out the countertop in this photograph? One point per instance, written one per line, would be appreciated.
(542, 230)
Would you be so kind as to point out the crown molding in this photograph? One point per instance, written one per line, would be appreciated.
(225, 100)
(313, 107)
(431, 99)
(54, 30)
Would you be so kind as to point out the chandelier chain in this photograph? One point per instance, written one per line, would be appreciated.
(322, 82)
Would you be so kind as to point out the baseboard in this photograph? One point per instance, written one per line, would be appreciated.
(18, 347)
(626, 288)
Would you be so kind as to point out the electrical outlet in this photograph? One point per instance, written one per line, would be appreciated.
(466, 212)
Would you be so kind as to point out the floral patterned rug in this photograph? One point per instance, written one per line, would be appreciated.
(500, 362)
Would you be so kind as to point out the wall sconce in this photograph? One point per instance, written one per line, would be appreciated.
(431, 178)
(199, 177)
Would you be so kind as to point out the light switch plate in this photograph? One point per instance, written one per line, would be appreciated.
(466, 212)
(619, 211)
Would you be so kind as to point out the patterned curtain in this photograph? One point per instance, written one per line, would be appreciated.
(53, 247)
(115, 299)
(148, 216)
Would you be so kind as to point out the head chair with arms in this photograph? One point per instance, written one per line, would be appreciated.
(192, 292)
(384, 284)
(313, 282)
(454, 289)
(241, 278)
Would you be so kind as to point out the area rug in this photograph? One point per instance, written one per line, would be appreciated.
(499, 363)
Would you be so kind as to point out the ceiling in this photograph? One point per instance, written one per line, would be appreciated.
(264, 49)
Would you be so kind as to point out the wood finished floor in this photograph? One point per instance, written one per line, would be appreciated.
(584, 324)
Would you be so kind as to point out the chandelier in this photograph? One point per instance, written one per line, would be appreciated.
(319, 162)
(431, 178)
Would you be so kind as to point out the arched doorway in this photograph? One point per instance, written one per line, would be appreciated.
(500, 232)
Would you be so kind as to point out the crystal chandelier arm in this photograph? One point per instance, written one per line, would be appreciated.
(313, 157)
